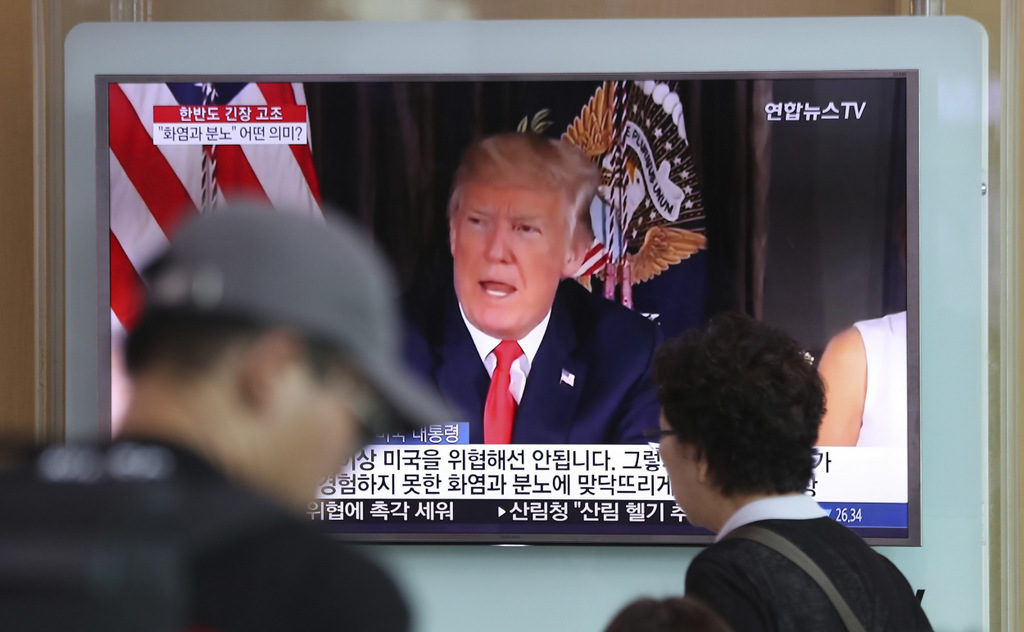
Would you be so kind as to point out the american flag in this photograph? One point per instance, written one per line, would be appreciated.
(153, 188)
(594, 260)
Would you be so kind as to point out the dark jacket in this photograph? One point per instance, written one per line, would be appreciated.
(590, 381)
(134, 536)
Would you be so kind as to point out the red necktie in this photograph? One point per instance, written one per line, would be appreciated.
(500, 409)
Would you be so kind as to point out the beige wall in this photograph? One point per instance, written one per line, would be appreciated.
(1019, 273)
(528, 9)
(19, 412)
(17, 330)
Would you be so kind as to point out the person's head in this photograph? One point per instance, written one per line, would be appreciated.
(512, 219)
(673, 614)
(270, 343)
(742, 403)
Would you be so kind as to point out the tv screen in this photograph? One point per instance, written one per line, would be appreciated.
(791, 197)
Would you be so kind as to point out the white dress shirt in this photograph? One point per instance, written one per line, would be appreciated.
(529, 343)
(788, 507)
(884, 421)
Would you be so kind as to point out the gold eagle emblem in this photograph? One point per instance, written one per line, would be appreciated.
(664, 246)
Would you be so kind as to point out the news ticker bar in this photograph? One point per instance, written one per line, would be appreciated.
(869, 515)
(454, 433)
(436, 470)
(540, 515)
(229, 114)
(230, 133)
(230, 125)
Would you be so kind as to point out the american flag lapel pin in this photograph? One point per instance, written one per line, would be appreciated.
(568, 378)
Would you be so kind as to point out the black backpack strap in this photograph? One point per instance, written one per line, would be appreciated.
(791, 552)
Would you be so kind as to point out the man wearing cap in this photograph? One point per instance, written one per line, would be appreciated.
(267, 353)
(522, 351)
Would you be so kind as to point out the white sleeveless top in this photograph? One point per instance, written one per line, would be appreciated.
(885, 401)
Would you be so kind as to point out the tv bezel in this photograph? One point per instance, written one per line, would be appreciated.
(102, 249)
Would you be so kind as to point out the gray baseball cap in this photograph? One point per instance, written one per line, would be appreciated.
(322, 278)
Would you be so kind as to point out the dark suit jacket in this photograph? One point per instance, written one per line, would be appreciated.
(607, 348)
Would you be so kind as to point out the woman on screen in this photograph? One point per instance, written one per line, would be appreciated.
(864, 369)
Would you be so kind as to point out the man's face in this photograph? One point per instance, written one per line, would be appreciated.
(307, 427)
(331, 430)
(688, 475)
(511, 247)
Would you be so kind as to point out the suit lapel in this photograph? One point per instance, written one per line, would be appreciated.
(460, 375)
(553, 388)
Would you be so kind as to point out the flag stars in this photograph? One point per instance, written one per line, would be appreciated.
(688, 204)
(677, 161)
(687, 189)
(657, 132)
(668, 145)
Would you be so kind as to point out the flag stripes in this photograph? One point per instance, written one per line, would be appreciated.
(236, 177)
(594, 260)
(125, 285)
(285, 94)
(154, 188)
(144, 164)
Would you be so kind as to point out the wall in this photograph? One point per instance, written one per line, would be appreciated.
(1013, 57)
(17, 296)
(22, 377)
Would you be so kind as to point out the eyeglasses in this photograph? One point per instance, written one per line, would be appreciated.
(654, 435)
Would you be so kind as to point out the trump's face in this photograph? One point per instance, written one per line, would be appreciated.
(511, 247)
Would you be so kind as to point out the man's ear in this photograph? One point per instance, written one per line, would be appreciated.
(263, 364)
(578, 247)
(702, 470)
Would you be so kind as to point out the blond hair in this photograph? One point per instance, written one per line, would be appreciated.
(533, 162)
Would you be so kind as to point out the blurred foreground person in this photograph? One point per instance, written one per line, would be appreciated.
(267, 353)
(674, 614)
(741, 405)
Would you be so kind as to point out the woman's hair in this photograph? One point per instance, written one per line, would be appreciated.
(674, 614)
(748, 398)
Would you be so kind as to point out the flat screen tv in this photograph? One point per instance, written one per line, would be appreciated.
(789, 194)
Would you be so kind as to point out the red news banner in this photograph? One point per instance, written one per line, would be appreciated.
(230, 125)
